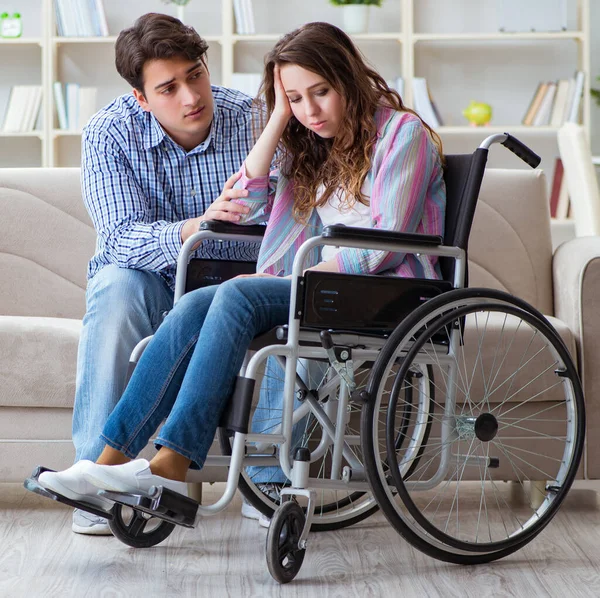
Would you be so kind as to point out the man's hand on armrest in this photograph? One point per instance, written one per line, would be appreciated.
(220, 209)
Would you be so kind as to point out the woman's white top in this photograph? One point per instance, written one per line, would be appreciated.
(336, 212)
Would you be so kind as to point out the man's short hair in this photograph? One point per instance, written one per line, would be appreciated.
(154, 37)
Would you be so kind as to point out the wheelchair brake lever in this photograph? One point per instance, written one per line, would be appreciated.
(345, 369)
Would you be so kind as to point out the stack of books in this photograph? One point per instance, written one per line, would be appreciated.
(81, 18)
(74, 106)
(556, 102)
(244, 17)
(23, 109)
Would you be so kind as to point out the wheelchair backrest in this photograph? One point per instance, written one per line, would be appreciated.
(463, 174)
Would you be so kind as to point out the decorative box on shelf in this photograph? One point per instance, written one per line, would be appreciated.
(517, 16)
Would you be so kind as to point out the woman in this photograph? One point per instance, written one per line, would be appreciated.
(351, 153)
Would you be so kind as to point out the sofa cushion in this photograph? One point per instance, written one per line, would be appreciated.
(510, 247)
(46, 240)
(38, 359)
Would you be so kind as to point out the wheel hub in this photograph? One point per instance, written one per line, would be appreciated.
(486, 427)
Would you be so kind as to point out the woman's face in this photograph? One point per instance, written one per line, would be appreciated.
(314, 102)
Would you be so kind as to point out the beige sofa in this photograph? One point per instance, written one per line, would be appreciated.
(46, 240)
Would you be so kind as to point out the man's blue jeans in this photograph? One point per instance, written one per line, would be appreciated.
(187, 373)
(123, 306)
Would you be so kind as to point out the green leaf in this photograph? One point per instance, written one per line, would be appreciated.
(348, 2)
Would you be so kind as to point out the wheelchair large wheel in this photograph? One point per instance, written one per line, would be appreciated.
(138, 529)
(508, 406)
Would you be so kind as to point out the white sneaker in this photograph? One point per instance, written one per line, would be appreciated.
(250, 512)
(134, 476)
(89, 524)
(71, 484)
(273, 491)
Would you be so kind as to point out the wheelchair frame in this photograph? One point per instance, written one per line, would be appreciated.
(298, 343)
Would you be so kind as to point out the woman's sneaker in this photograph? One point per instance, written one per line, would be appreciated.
(72, 484)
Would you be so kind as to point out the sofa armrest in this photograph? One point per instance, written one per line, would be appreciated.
(576, 275)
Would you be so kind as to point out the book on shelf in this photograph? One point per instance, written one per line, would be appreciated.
(75, 105)
(23, 108)
(72, 101)
(560, 195)
(538, 96)
(557, 180)
(61, 108)
(557, 118)
(544, 111)
(86, 105)
(574, 105)
(80, 18)
(397, 84)
(249, 14)
(423, 104)
(244, 17)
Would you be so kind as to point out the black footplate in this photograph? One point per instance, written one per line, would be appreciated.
(160, 502)
(33, 485)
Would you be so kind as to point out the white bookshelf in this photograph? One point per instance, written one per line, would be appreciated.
(459, 52)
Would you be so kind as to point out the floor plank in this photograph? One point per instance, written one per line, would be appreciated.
(224, 556)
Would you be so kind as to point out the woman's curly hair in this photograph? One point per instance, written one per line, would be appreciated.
(344, 161)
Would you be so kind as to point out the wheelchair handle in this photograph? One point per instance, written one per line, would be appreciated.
(521, 150)
(515, 146)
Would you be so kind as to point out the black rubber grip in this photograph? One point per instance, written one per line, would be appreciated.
(354, 233)
(228, 228)
(522, 151)
(326, 339)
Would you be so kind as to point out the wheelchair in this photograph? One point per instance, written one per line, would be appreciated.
(422, 398)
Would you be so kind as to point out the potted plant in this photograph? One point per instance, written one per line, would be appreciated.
(355, 14)
(596, 93)
(180, 7)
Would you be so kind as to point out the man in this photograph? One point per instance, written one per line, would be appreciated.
(153, 162)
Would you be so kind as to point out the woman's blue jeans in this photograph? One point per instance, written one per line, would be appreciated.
(187, 372)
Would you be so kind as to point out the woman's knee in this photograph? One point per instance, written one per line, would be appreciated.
(233, 294)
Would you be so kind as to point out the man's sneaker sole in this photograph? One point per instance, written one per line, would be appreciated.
(92, 529)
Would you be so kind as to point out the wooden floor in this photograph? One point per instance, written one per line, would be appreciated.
(224, 556)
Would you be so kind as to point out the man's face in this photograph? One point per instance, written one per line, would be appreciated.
(177, 91)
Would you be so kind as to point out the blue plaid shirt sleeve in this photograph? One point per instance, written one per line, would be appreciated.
(119, 209)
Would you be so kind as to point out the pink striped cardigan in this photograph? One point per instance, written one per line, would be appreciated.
(407, 194)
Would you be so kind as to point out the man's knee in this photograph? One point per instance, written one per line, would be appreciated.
(123, 294)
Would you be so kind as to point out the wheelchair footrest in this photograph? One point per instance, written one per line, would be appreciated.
(161, 503)
(32, 484)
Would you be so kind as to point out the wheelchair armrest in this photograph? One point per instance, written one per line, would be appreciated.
(352, 233)
(228, 228)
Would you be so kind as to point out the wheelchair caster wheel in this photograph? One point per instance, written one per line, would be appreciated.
(284, 556)
(138, 529)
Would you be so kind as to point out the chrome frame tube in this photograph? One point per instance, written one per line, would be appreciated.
(340, 431)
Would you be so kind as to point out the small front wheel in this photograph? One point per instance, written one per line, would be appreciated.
(138, 529)
(284, 555)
